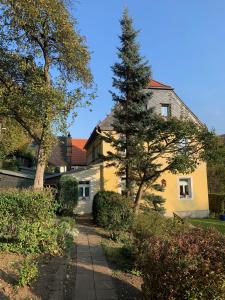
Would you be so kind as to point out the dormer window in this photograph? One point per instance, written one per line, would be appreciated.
(165, 110)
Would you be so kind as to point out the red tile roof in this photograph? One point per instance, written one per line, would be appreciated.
(78, 156)
(157, 84)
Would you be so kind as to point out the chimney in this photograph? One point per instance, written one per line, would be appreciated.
(69, 150)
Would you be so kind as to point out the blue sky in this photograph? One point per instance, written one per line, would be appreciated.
(184, 42)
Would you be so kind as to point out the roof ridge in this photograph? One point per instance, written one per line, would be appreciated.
(157, 84)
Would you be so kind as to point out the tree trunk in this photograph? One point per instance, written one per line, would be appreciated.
(40, 170)
(138, 198)
(41, 159)
(128, 183)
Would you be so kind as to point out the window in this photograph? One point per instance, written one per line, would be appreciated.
(185, 188)
(81, 191)
(84, 189)
(165, 110)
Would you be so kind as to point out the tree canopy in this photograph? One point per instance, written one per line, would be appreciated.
(12, 137)
(44, 70)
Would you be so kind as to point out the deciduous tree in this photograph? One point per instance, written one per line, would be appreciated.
(51, 73)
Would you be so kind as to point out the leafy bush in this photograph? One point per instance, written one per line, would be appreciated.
(217, 203)
(68, 195)
(149, 224)
(28, 271)
(112, 211)
(156, 202)
(28, 223)
(10, 164)
(66, 232)
(188, 265)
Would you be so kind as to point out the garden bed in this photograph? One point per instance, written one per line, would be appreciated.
(126, 279)
(56, 277)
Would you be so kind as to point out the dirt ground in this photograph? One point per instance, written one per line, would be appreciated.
(128, 286)
(56, 279)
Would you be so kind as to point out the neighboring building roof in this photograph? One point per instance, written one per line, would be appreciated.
(58, 156)
(16, 174)
(78, 156)
(71, 172)
(158, 85)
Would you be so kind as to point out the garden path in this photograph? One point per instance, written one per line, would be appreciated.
(93, 275)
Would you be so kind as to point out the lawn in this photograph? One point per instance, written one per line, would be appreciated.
(209, 223)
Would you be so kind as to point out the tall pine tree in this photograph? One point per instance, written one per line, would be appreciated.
(145, 145)
(132, 76)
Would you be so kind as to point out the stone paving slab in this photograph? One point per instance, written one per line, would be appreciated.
(93, 276)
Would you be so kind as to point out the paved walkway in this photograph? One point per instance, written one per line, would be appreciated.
(93, 277)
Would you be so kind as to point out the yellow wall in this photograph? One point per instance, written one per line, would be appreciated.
(197, 206)
(111, 180)
(95, 145)
(187, 207)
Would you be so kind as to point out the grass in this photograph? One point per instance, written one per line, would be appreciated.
(116, 254)
(209, 223)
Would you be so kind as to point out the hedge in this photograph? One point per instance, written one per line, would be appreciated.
(217, 203)
(112, 211)
(178, 262)
(28, 223)
(188, 266)
(68, 194)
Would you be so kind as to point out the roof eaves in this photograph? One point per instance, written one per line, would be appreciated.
(194, 115)
(93, 134)
(16, 174)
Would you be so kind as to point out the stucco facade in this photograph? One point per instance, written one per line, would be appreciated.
(195, 206)
(92, 176)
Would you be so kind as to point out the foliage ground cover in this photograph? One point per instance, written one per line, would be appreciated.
(29, 227)
(28, 223)
(126, 277)
(209, 223)
(175, 261)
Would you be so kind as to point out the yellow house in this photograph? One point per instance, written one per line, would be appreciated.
(186, 195)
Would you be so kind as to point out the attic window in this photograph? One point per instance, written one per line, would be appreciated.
(165, 110)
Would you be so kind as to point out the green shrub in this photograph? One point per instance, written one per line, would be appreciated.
(68, 194)
(66, 232)
(28, 223)
(188, 265)
(149, 224)
(10, 164)
(155, 202)
(112, 211)
(28, 271)
(217, 203)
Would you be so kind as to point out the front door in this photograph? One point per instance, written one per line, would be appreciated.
(84, 204)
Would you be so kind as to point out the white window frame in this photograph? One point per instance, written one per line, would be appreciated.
(83, 186)
(163, 106)
(191, 187)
